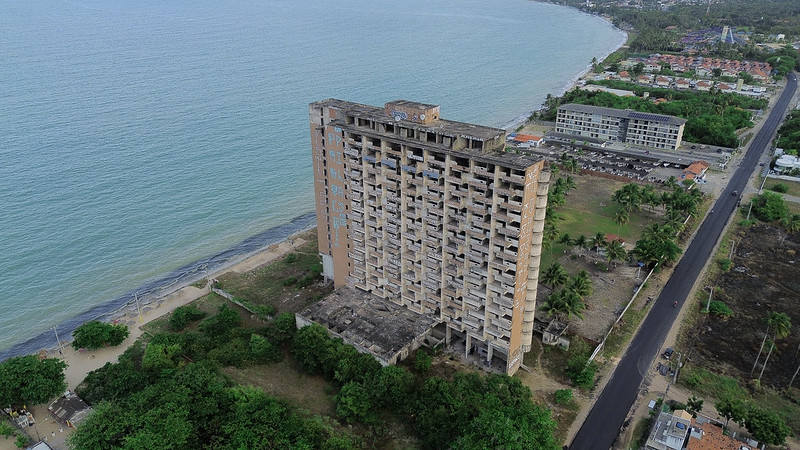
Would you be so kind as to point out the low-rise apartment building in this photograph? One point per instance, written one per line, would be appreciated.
(623, 125)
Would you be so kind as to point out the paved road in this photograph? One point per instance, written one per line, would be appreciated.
(602, 425)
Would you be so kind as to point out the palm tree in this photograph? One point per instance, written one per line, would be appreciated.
(550, 234)
(658, 233)
(573, 304)
(622, 216)
(564, 304)
(792, 224)
(672, 182)
(554, 305)
(565, 239)
(772, 318)
(581, 242)
(780, 329)
(580, 284)
(570, 184)
(615, 250)
(555, 275)
(598, 241)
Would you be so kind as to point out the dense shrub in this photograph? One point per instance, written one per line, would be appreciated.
(183, 316)
(95, 334)
(282, 329)
(563, 396)
(581, 371)
(222, 323)
(719, 308)
(423, 362)
(780, 187)
(769, 207)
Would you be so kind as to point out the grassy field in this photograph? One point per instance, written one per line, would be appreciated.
(288, 284)
(794, 186)
(589, 210)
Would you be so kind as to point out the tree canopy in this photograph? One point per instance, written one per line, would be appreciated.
(95, 334)
(26, 380)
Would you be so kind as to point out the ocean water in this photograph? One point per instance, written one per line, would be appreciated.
(142, 141)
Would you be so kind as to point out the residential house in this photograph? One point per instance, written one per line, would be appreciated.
(695, 171)
(704, 85)
(662, 81)
(670, 431)
(624, 76)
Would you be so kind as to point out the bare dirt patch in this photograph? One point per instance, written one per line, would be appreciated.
(763, 278)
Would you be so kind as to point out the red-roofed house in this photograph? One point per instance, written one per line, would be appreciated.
(704, 85)
(528, 140)
(695, 171)
(624, 76)
(707, 436)
(662, 81)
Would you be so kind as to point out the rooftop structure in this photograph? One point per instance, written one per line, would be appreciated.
(623, 125)
(371, 324)
(670, 431)
(432, 215)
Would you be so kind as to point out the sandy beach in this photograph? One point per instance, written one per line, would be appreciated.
(80, 363)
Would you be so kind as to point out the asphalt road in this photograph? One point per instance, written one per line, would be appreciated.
(602, 425)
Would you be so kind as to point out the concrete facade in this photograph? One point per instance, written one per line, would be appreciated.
(623, 125)
(433, 215)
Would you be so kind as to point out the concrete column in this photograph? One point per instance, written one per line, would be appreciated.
(448, 334)
(489, 353)
(469, 345)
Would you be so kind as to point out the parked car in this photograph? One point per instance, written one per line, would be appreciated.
(668, 352)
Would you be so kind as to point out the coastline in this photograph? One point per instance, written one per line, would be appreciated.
(156, 292)
(161, 296)
(522, 119)
(80, 363)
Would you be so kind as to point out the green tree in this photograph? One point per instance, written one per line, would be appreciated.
(581, 371)
(95, 334)
(694, 405)
(262, 351)
(766, 426)
(731, 408)
(183, 316)
(353, 403)
(25, 380)
(769, 207)
(220, 325)
(161, 356)
(555, 275)
(615, 251)
(423, 361)
(313, 349)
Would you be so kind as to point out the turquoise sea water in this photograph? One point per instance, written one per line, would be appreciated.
(139, 138)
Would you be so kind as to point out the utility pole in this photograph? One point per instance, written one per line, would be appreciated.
(708, 304)
(139, 310)
(55, 329)
(733, 244)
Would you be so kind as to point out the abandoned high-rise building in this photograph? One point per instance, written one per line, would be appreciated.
(429, 215)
